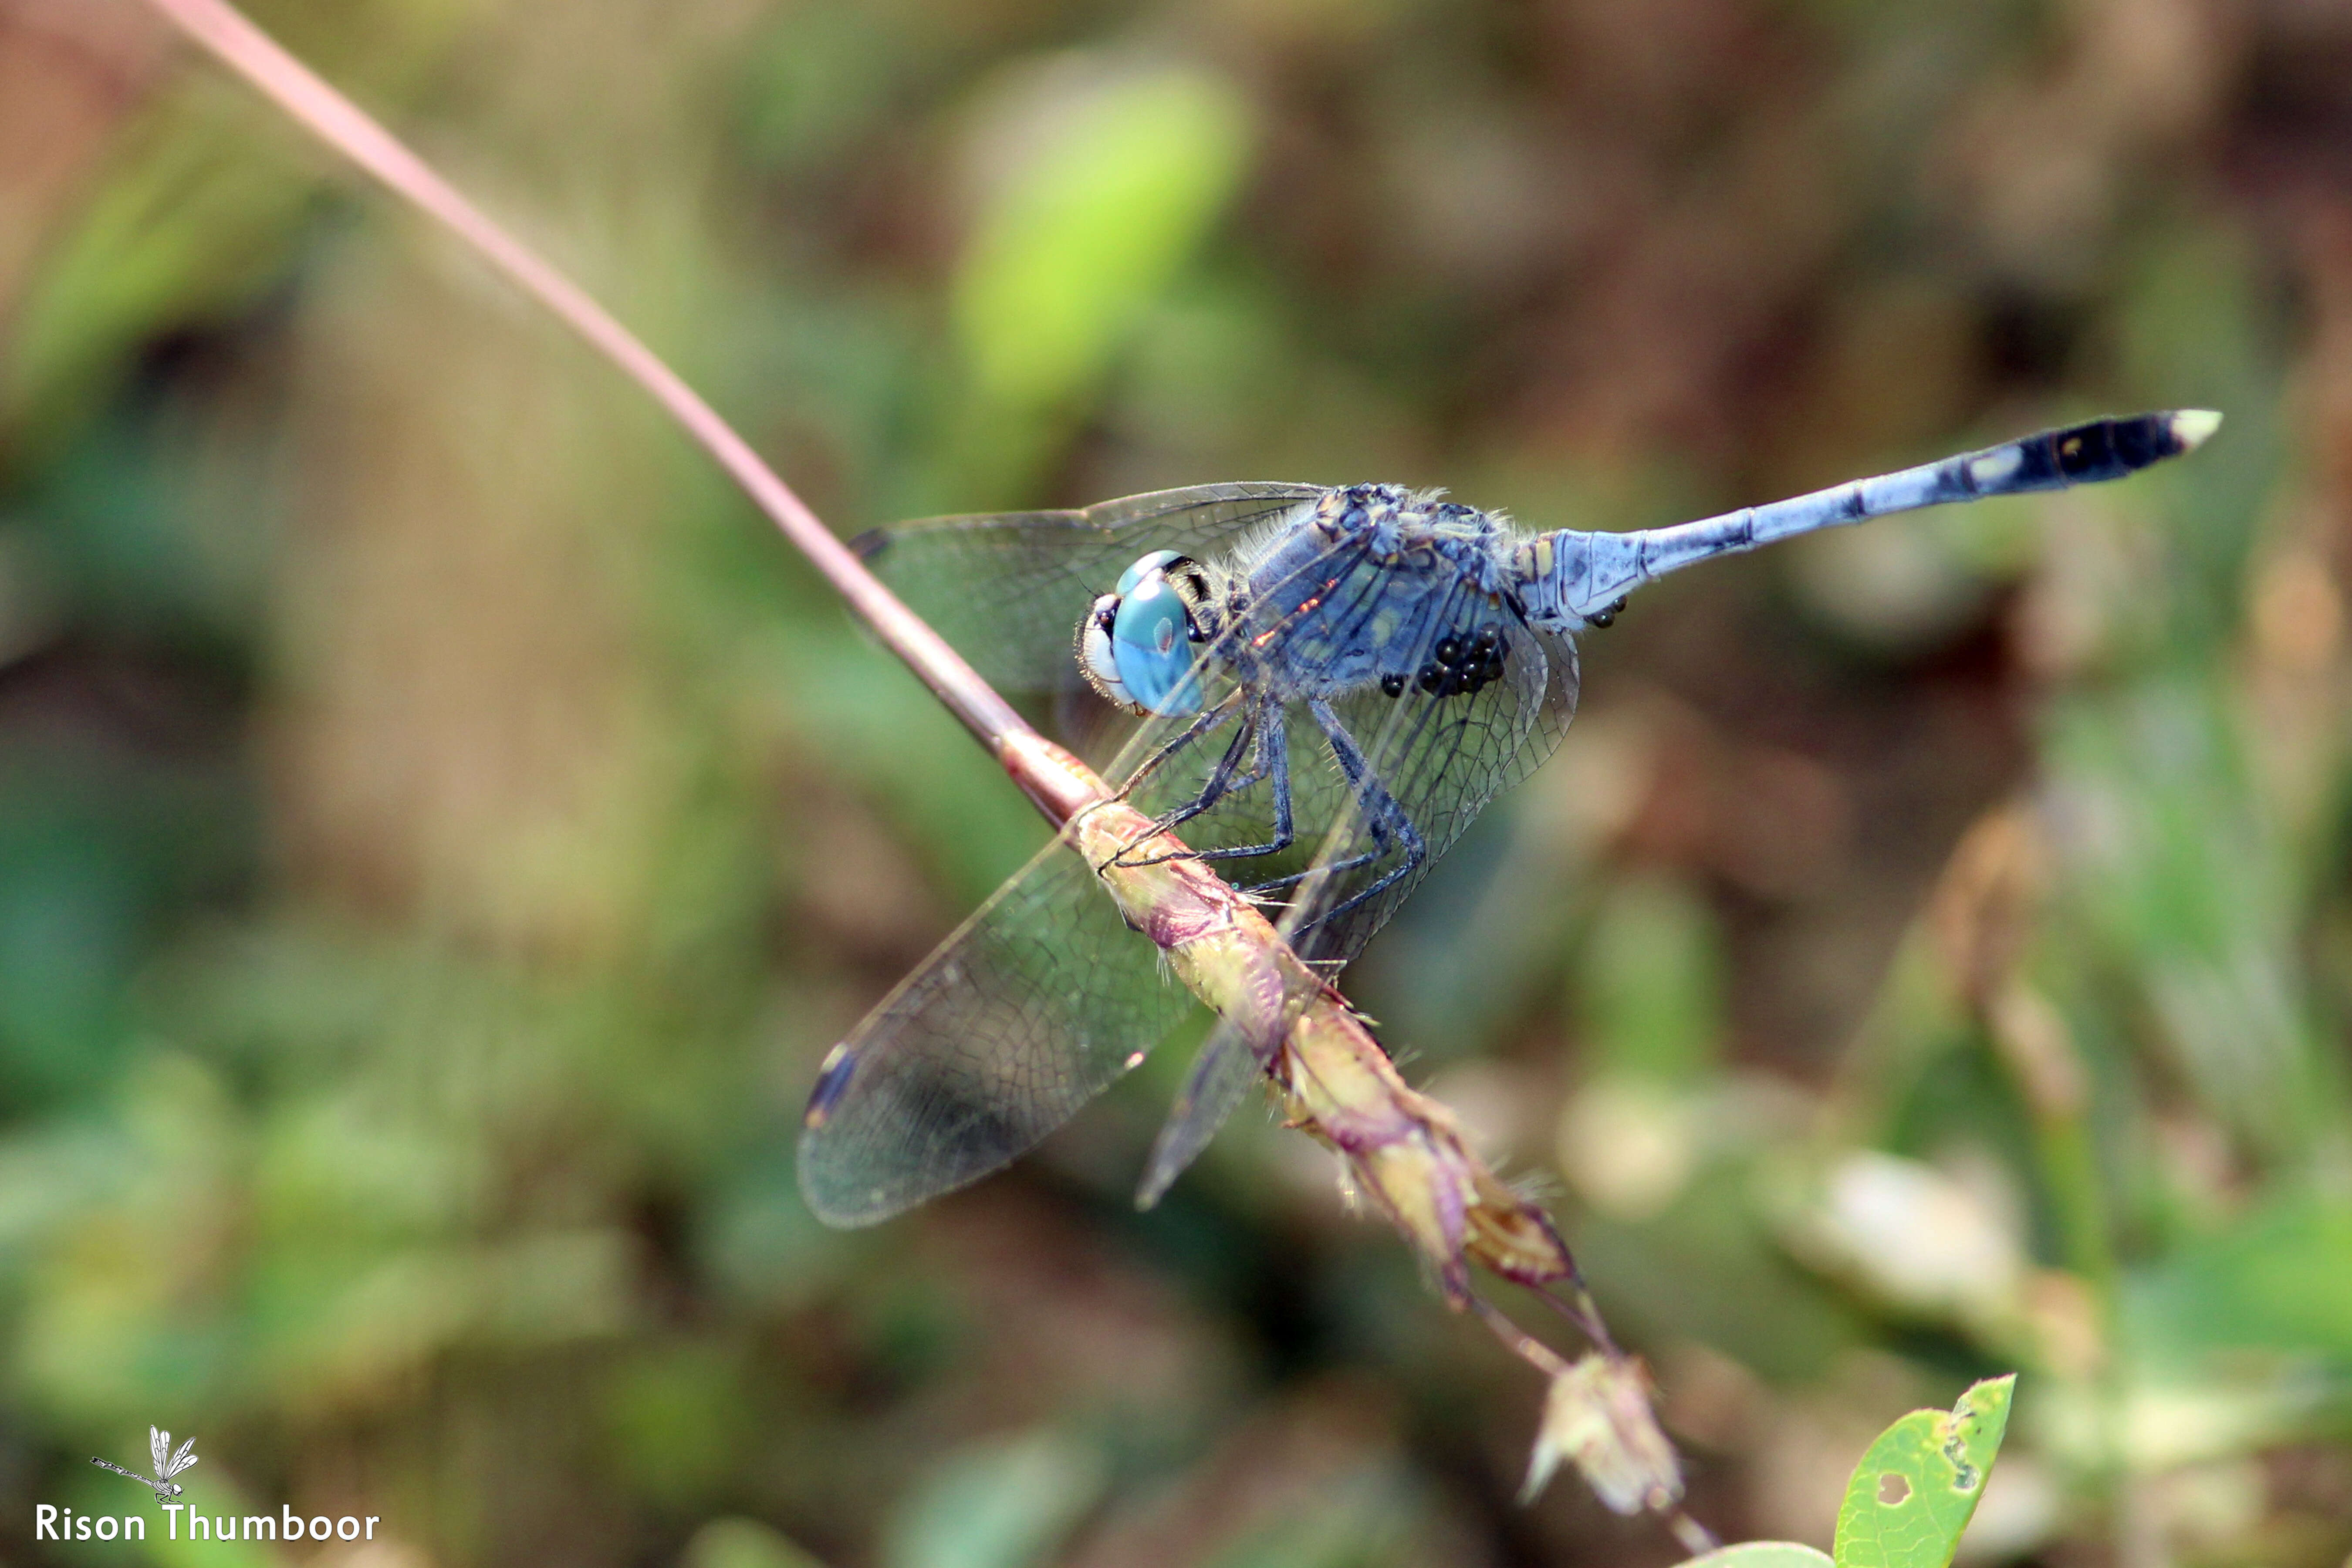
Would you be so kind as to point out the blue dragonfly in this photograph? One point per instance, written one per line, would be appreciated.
(1321, 688)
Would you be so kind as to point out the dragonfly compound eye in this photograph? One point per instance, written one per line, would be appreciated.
(1153, 631)
(1155, 564)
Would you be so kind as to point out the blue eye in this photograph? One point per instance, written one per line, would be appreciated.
(1158, 561)
(1151, 640)
(1136, 646)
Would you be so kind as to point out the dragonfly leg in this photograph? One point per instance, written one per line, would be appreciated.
(1273, 761)
(1384, 820)
(1192, 732)
(1199, 726)
(1218, 786)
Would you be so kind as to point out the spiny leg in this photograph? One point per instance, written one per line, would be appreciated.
(1384, 820)
(1214, 787)
(1202, 725)
(1273, 761)
(1373, 824)
(1273, 764)
(1220, 782)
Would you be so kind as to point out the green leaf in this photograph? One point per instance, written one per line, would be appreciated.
(1915, 1490)
(1114, 188)
(1092, 227)
(1762, 1554)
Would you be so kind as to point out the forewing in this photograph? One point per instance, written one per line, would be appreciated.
(159, 1446)
(1008, 589)
(1033, 1008)
(186, 1456)
(1035, 1005)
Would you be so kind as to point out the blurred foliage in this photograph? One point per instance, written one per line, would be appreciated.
(441, 828)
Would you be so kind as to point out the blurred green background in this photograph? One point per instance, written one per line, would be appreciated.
(441, 826)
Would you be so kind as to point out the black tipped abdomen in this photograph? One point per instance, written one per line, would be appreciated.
(2095, 451)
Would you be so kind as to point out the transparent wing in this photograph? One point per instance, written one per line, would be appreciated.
(1033, 1008)
(1222, 1076)
(1443, 759)
(181, 1460)
(1008, 589)
(159, 1446)
(1440, 759)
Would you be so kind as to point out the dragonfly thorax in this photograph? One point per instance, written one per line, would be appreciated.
(1385, 590)
(1138, 643)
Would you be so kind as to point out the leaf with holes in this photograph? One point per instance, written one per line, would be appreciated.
(1915, 1490)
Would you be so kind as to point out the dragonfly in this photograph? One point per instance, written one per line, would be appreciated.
(167, 1464)
(1320, 688)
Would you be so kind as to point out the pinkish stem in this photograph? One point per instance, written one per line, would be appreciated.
(1049, 776)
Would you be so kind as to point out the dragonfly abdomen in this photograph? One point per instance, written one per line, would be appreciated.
(1571, 578)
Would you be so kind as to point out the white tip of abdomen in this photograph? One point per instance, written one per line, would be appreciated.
(2191, 426)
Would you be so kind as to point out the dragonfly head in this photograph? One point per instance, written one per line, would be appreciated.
(1138, 643)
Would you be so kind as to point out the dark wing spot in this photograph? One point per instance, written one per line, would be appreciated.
(831, 1081)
